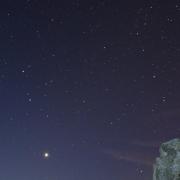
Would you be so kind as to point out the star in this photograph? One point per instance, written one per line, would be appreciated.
(46, 155)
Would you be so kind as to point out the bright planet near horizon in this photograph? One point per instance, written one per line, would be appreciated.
(46, 155)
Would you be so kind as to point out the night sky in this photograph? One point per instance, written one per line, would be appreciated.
(88, 88)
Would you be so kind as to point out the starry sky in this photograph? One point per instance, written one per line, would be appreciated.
(88, 88)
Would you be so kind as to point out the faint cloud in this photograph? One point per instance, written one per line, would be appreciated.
(147, 144)
(132, 157)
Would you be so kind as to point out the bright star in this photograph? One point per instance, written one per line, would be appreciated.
(46, 155)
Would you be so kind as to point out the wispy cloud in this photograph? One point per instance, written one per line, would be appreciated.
(133, 157)
(148, 144)
(141, 151)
